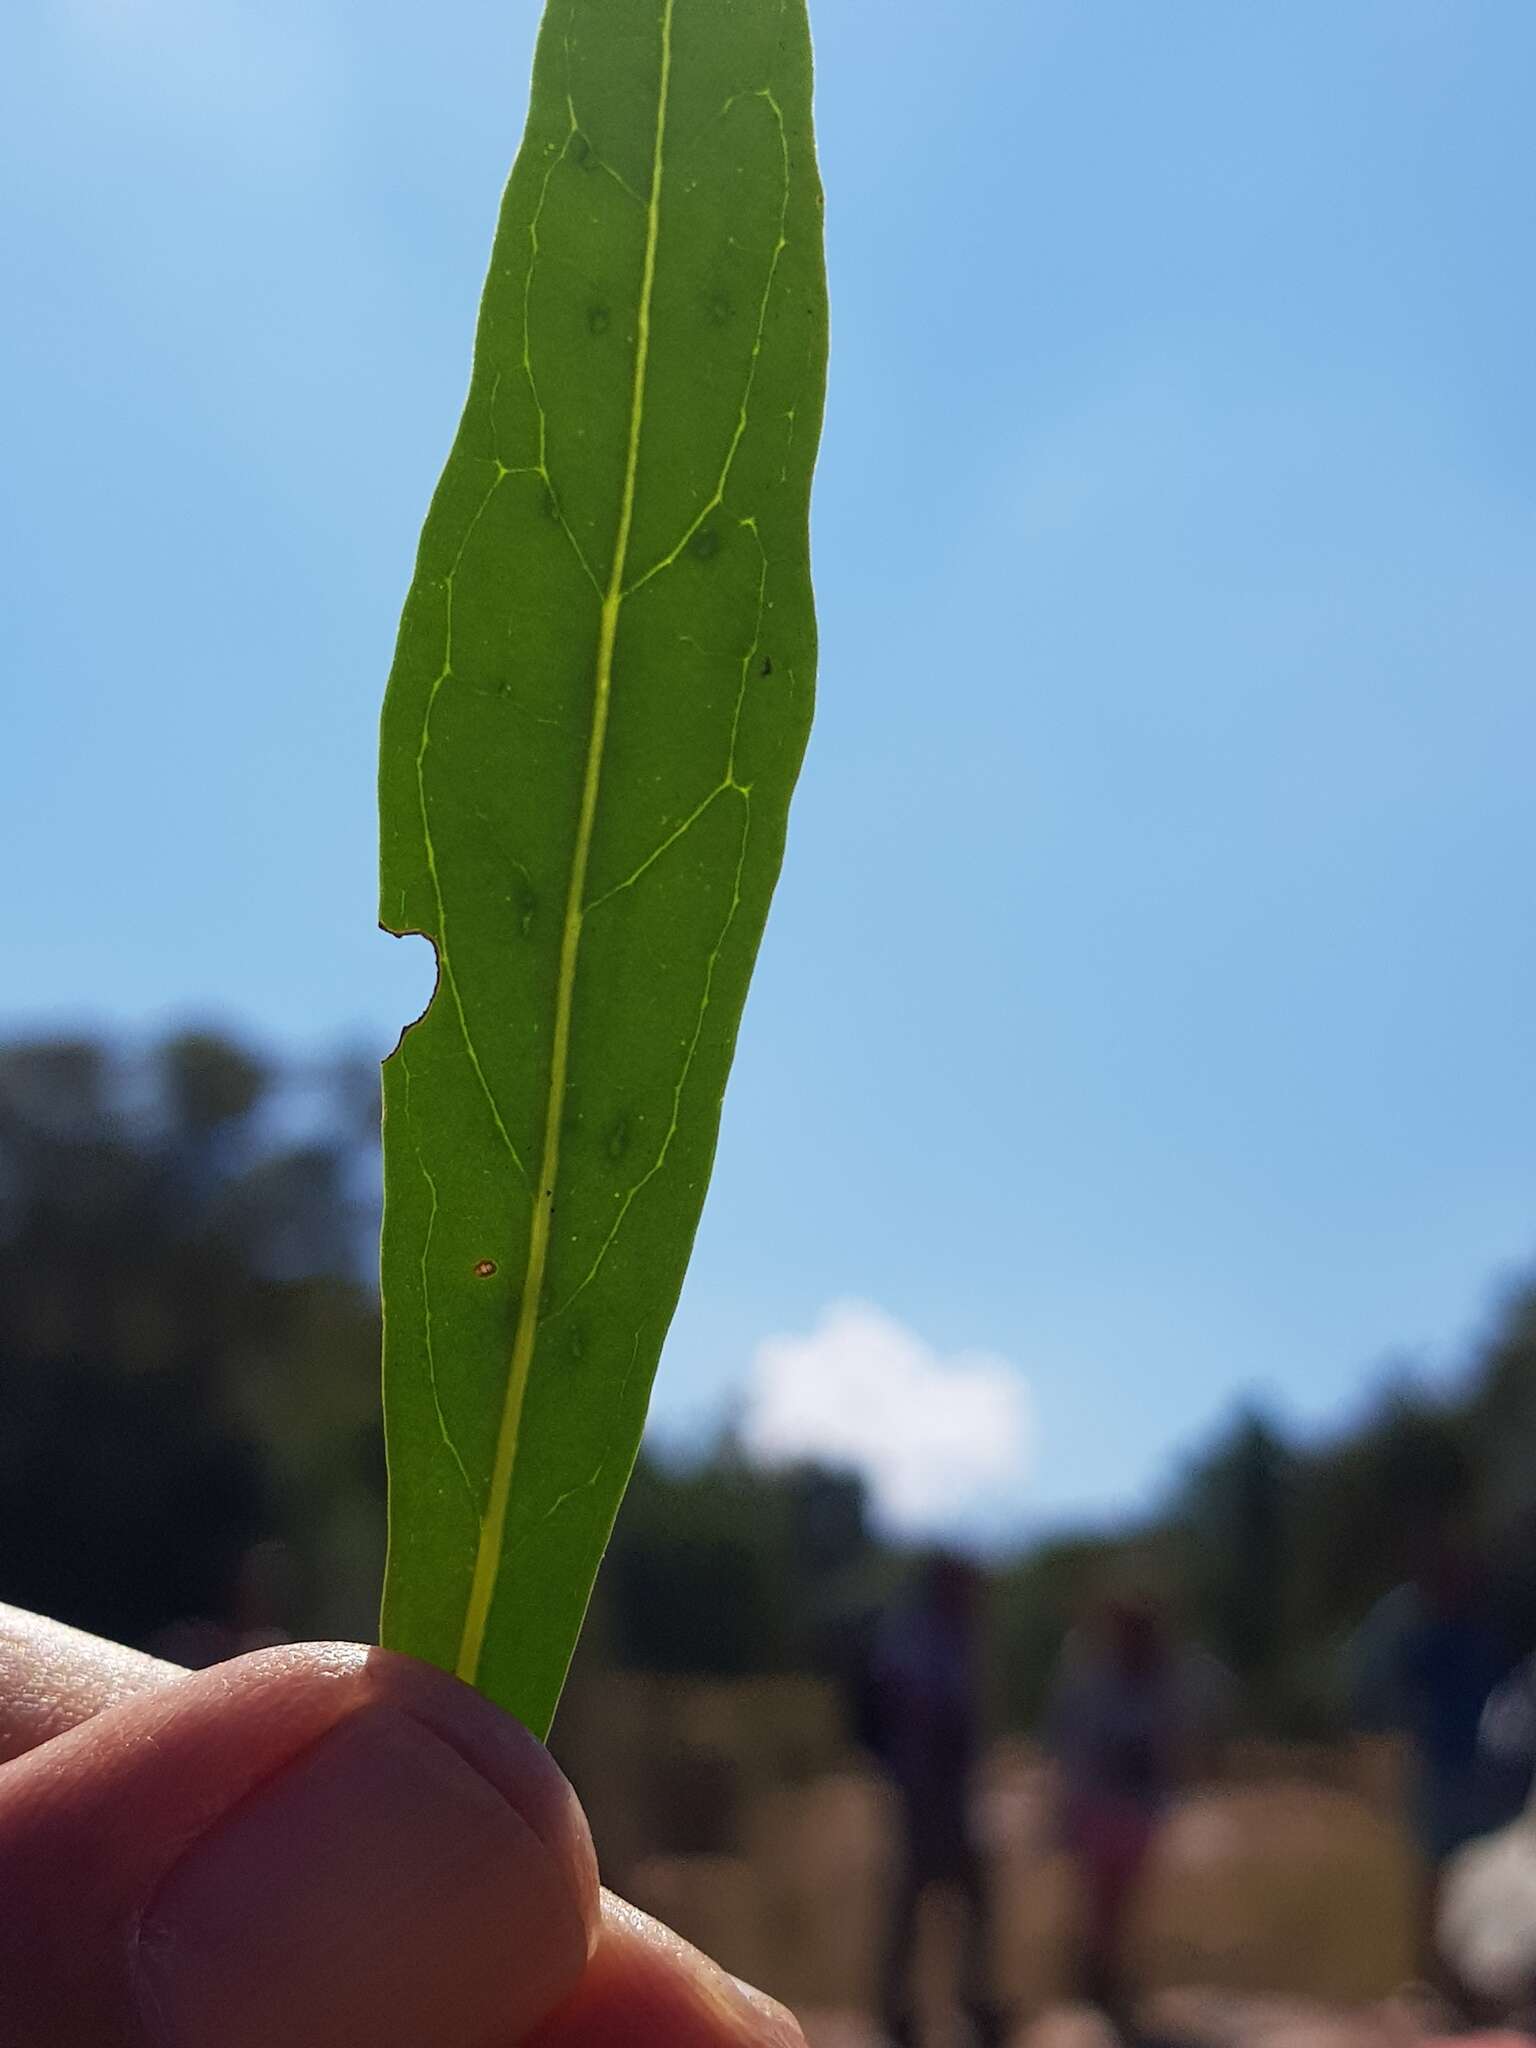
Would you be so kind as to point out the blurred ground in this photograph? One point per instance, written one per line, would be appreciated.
(1279, 1911)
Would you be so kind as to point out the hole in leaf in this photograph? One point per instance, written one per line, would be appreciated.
(413, 978)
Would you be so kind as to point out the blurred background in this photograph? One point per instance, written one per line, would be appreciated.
(1127, 1176)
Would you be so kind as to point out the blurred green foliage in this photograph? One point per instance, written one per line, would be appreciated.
(188, 1337)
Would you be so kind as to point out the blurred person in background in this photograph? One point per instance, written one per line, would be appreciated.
(923, 1722)
(1429, 1661)
(1131, 1713)
(1485, 1918)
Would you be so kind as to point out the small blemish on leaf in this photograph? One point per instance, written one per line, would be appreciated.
(597, 319)
(484, 1268)
(581, 150)
(616, 1144)
(767, 667)
(720, 309)
(551, 504)
(705, 544)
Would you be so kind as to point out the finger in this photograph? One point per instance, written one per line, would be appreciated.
(644, 1983)
(313, 1847)
(646, 1988)
(53, 1677)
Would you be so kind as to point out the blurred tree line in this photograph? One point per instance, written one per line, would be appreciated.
(190, 1453)
(188, 1340)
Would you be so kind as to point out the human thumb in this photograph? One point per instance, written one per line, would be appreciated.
(321, 1847)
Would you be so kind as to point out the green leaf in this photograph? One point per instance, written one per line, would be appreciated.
(596, 715)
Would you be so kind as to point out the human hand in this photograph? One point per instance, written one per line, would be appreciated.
(319, 1846)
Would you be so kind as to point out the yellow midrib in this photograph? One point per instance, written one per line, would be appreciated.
(493, 1524)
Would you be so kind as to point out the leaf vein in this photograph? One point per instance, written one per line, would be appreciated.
(444, 952)
(541, 467)
(493, 1529)
(738, 432)
(426, 1297)
(744, 790)
(675, 1119)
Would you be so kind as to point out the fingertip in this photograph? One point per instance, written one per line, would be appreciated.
(648, 1988)
(382, 1887)
(503, 1751)
(322, 1823)
(310, 1686)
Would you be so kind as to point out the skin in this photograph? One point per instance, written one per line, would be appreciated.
(321, 1845)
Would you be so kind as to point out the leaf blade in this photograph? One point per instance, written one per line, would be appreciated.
(587, 756)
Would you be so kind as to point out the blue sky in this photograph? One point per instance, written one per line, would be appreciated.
(1145, 1017)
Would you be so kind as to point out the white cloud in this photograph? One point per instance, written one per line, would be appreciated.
(943, 1443)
